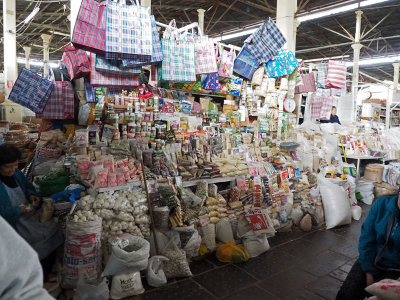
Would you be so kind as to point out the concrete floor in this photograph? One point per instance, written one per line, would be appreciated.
(299, 265)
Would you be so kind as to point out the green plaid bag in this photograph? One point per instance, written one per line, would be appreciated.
(179, 57)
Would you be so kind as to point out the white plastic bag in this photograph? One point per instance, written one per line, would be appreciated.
(366, 189)
(154, 273)
(190, 240)
(258, 76)
(83, 115)
(126, 285)
(356, 212)
(255, 244)
(177, 265)
(224, 232)
(207, 233)
(130, 254)
(336, 204)
(92, 291)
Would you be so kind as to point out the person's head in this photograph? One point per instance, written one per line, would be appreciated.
(333, 110)
(9, 158)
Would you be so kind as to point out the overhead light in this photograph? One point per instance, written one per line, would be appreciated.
(31, 15)
(60, 33)
(371, 2)
(325, 58)
(375, 61)
(235, 35)
(34, 62)
(329, 12)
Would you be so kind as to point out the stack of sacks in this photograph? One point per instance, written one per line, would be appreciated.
(231, 166)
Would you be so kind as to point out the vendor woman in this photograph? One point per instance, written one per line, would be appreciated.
(20, 206)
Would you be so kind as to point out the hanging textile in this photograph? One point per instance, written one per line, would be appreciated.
(245, 64)
(76, 61)
(89, 31)
(283, 63)
(128, 31)
(322, 70)
(31, 91)
(336, 77)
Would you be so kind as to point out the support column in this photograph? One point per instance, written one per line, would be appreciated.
(75, 5)
(146, 3)
(27, 57)
(10, 45)
(396, 67)
(200, 12)
(356, 57)
(286, 22)
(46, 54)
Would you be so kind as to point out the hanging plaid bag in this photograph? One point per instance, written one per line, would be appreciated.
(211, 82)
(226, 63)
(60, 105)
(245, 64)
(156, 55)
(321, 75)
(336, 77)
(89, 91)
(113, 67)
(326, 108)
(283, 63)
(76, 61)
(31, 91)
(308, 82)
(265, 42)
(104, 79)
(206, 60)
(128, 31)
(179, 57)
(89, 31)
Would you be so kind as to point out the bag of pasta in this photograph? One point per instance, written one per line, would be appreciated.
(231, 253)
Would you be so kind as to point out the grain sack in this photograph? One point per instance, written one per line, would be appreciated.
(373, 172)
(82, 255)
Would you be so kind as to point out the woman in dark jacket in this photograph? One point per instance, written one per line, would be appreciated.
(20, 205)
(379, 248)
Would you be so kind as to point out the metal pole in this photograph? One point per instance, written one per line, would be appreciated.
(356, 47)
(200, 13)
(10, 45)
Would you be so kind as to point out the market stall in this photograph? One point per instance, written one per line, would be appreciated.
(155, 151)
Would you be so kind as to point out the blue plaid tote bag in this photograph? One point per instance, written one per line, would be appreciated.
(128, 31)
(31, 90)
(156, 56)
(265, 42)
(245, 64)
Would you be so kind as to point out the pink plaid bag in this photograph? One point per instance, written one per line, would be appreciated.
(90, 27)
(316, 106)
(76, 61)
(326, 108)
(107, 79)
(336, 77)
(206, 61)
(60, 105)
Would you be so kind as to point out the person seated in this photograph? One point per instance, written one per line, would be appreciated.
(334, 118)
(379, 249)
(20, 206)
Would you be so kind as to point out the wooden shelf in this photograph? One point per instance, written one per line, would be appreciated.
(209, 181)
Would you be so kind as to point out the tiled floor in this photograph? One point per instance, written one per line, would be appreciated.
(299, 265)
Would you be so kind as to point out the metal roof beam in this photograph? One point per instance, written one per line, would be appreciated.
(223, 14)
(258, 6)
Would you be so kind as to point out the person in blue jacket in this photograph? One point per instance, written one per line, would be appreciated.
(20, 206)
(379, 249)
(334, 117)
